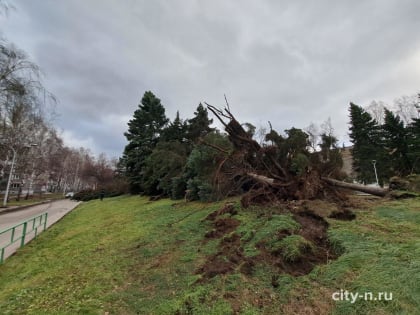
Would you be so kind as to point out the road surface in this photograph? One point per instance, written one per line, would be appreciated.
(56, 210)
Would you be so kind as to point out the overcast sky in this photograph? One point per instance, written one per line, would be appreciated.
(288, 62)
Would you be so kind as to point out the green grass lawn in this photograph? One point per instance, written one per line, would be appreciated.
(127, 255)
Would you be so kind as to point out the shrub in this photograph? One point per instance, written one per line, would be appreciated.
(178, 188)
(200, 189)
(90, 194)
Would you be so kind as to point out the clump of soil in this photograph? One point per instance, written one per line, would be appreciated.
(230, 255)
(344, 215)
(227, 208)
(214, 266)
(314, 229)
(222, 226)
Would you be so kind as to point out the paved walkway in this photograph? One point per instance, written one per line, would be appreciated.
(56, 210)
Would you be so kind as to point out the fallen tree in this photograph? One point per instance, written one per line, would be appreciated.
(376, 191)
(282, 169)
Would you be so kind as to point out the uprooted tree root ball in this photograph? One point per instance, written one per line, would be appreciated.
(281, 169)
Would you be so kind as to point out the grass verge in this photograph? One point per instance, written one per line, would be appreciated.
(127, 255)
(33, 199)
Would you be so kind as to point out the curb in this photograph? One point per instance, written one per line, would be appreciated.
(18, 208)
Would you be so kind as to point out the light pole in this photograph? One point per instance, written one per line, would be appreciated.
(6, 195)
(376, 174)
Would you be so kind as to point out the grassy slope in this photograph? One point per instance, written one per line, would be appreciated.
(126, 255)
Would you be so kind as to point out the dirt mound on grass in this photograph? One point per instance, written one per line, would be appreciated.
(228, 208)
(222, 226)
(229, 257)
(316, 249)
(313, 227)
(214, 266)
(344, 215)
(311, 248)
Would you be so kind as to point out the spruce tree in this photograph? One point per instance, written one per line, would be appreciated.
(367, 146)
(143, 133)
(167, 161)
(396, 144)
(199, 126)
(413, 134)
(202, 165)
(176, 131)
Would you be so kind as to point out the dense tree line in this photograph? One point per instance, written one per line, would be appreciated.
(183, 157)
(169, 157)
(388, 139)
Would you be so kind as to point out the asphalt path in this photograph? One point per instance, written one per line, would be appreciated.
(55, 209)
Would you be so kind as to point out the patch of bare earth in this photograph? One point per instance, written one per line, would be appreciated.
(230, 256)
(313, 229)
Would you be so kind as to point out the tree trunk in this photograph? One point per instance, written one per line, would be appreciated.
(376, 191)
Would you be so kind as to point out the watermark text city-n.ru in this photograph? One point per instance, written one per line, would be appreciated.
(352, 297)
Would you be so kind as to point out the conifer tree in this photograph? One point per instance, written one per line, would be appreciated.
(395, 137)
(175, 131)
(167, 161)
(144, 131)
(199, 126)
(367, 146)
(413, 133)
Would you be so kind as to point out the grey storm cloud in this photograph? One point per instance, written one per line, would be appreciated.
(288, 62)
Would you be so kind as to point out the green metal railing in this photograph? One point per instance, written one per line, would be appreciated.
(21, 230)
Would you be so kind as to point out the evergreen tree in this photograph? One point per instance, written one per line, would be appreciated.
(166, 162)
(143, 133)
(295, 148)
(396, 143)
(330, 160)
(413, 134)
(367, 146)
(199, 126)
(201, 166)
(296, 141)
(176, 131)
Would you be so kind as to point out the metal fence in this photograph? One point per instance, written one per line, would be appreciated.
(19, 232)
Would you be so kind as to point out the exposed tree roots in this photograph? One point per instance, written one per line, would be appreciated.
(267, 173)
